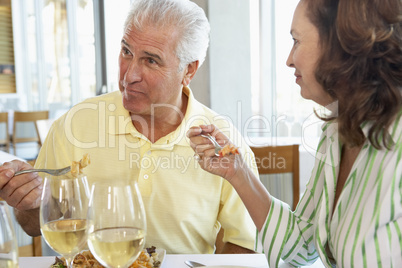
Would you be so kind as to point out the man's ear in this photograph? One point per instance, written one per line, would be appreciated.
(190, 71)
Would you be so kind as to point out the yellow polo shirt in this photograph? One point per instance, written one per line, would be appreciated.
(185, 206)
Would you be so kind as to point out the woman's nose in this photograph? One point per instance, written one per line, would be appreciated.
(289, 61)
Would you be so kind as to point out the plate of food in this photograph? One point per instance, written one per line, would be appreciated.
(149, 258)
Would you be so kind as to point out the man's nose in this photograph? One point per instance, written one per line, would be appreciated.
(133, 72)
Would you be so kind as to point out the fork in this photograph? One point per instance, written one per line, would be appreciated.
(194, 264)
(214, 142)
(54, 172)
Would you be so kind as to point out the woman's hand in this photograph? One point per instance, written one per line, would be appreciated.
(226, 166)
(232, 168)
(22, 192)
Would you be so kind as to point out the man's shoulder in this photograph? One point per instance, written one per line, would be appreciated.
(208, 112)
(224, 123)
(110, 97)
(90, 109)
(205, 113)
(107, 101)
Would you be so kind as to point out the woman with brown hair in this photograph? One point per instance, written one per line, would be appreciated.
(347, 56)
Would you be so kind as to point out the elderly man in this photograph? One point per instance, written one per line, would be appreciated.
(139, 134)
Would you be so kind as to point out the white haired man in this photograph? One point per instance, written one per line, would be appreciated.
(138, 133)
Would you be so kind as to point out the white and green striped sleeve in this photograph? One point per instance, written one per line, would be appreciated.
(289, 235)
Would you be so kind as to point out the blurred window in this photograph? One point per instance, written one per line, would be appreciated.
(275, 95)
(56, 54)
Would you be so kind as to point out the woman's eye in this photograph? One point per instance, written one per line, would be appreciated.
(295, 41)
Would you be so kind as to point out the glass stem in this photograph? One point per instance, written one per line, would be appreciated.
(69, 262)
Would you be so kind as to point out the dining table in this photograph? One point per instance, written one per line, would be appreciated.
(7, 157)
(173, 260)
(177, 261)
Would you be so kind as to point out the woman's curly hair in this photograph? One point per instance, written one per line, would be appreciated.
(361, 63)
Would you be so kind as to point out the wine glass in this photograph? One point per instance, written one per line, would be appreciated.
(8, 240)
(63, 212)
(116, 223)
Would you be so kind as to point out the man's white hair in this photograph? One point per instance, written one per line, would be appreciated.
(188, 18)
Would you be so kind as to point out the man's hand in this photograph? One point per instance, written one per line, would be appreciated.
(22, 192)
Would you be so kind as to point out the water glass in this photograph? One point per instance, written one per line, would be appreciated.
(116, 223)
(8, 240)
(63, 214)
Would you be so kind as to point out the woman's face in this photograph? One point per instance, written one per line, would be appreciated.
(304, 56)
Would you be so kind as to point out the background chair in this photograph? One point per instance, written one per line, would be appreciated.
(277, 160)
(24, 117)
(31, 250)
(6, 140)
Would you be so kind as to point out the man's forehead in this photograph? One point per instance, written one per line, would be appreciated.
(158, 37)
(150, 31)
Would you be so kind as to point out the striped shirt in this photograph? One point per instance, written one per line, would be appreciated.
(365, 229)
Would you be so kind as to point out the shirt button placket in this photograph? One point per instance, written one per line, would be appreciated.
(144, 178)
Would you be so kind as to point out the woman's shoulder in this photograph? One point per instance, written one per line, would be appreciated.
(395, 130)
(396, 126)
(393, 133)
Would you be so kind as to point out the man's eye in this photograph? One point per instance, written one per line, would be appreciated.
(151, 61)
(295, 41)
(125, 51)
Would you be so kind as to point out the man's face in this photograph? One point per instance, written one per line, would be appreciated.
(149, 70)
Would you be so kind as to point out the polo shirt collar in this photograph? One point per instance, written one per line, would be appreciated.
(122, 119)
(193, 117)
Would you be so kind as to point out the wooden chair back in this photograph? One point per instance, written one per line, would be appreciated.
(31, 250)
(6, 140)
(278, 160)
(28, 117)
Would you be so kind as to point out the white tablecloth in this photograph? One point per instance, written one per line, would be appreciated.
(173, 261)
(177, 261)
(6, 157)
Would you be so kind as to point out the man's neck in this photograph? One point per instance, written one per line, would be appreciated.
(165, 120)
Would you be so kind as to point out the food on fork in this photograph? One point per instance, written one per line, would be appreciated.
(147, 259)
(77, 166)
(228, 149)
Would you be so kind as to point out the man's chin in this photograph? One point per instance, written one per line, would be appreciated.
(131, 103)
(135, 109)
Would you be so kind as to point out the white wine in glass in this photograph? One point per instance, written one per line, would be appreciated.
(116, 223)
(63, 212)
(8, 240)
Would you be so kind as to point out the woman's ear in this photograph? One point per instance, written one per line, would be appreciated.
(190, 71)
